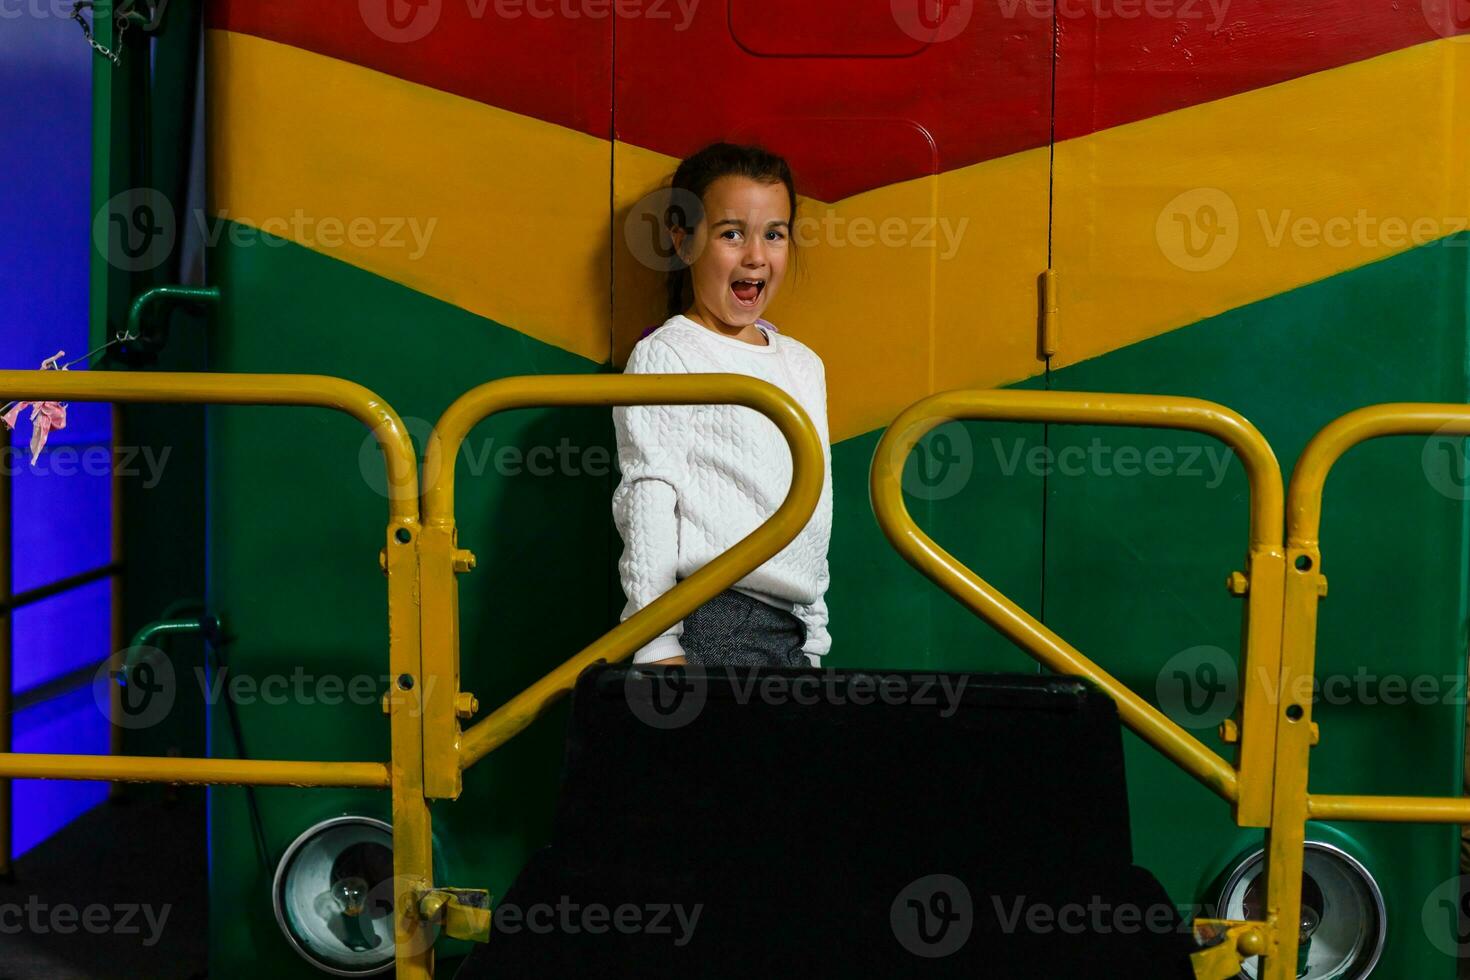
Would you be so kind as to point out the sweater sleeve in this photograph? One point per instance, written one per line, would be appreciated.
(813, 615)
(653, 456)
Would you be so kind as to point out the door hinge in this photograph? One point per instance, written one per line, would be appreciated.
(1047, 300)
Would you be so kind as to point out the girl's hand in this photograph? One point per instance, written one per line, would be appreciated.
(671, 662)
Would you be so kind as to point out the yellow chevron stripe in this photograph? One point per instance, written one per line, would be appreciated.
(1166, 221)
(941, 304)
(515, 209)
(897, 310)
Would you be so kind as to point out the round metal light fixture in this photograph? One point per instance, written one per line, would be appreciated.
(333, 896)
(1344, 921)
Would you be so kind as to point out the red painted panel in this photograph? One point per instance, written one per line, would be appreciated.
(861, 28)
(697, 70)
(1117, 63)
(875, 105)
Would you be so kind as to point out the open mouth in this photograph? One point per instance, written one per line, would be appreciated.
(748, 291)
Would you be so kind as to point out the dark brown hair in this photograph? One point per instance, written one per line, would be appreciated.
(694, 177)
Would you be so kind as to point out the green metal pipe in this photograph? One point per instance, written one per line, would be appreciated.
(173, 293)
(208, 626)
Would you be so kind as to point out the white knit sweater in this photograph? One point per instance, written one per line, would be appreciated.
(698, 478)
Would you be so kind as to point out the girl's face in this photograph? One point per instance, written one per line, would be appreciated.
(740, 250)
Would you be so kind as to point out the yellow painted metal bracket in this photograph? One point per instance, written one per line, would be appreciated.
(447, 749)
(1249, 788)
(464, 913)
(1232, 944)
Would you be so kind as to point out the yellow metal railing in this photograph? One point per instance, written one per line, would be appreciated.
(1283, 585)
(448, 751)
(421, 562)
(1296, 733)
(1247, 785)
(404, 776)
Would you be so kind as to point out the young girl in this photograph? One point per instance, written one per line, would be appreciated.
(698, 478)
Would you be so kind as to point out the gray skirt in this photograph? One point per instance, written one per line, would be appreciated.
(735, 630)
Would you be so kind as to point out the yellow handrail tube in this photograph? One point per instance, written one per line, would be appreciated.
(619, 643)
(1292, 804)
(1034, 638)
(412, 864)
(1304, 497)
(308, 390)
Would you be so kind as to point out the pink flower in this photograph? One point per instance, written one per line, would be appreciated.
(45, 416)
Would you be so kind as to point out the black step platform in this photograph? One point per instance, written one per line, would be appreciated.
(803, 823)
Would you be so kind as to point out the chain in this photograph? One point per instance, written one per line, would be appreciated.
(119, 17)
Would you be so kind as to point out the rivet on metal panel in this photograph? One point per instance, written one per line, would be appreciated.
(1322, 586)
(1229, 731)
(466, 704)
(464, 560)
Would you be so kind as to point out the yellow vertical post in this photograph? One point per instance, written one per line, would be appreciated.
(1260, 668)
(405, 701)
(1286, 838)
(439, 557)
